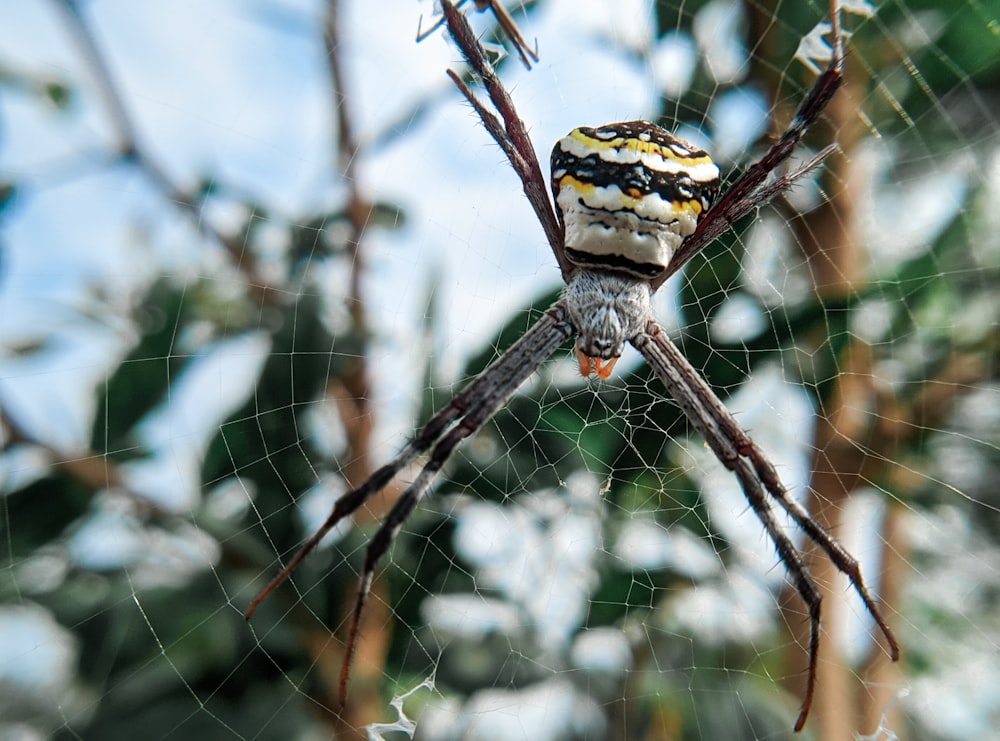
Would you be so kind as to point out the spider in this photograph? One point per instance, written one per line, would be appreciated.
(632, 205)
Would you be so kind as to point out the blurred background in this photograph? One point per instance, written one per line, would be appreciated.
(249, 247)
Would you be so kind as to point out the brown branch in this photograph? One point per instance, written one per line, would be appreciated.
(98, 472)
(352, 391)
(828, 238)
(94, 470)
(130, 149)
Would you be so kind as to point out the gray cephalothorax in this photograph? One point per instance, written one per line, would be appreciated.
(608, 309)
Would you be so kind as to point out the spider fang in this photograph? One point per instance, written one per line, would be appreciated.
(599, 366)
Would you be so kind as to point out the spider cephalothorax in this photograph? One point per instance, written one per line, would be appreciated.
(607, 309)
(635, 204)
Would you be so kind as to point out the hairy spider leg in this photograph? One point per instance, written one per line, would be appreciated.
(750, 190)
(504, 20)
(511, 135)
(766, 473)
(490, 392)
(654, 346)
(735, 450)
(461, 418)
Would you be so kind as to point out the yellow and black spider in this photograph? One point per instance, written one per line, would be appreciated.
(632, 205)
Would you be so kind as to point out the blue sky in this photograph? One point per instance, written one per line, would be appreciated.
(240, 89)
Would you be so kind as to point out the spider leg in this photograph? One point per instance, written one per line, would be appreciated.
(354, 499)
(747, 193)
(421, 34)
(796, 568)
(735, 450)
(838, 555)
(711, 228)
(511, 135)
(463, 416)
(386, 534)
(768, 476)
(504, 20)
(656, 348)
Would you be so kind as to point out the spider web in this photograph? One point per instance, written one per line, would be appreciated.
(249, 284)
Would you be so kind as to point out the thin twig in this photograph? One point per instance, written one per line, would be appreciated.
(129, 149)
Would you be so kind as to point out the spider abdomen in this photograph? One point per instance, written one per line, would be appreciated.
(628, 194)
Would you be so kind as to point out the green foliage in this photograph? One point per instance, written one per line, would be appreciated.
(165, 652)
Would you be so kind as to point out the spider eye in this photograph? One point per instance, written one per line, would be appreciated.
(628, 194)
